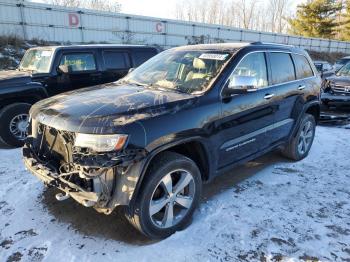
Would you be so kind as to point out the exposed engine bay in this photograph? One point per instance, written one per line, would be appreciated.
(91, 178)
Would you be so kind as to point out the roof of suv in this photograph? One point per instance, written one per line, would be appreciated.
(236, 45)
(93, 46)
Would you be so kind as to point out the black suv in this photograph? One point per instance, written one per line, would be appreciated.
(336, 89)
(47, 71)
(150, 140)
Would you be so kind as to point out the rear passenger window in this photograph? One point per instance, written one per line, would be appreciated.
(303, 67)
(116, 60)
(139, 57)
(282, 68)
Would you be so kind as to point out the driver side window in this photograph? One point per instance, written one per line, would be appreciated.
(253, 66)
(79, 62)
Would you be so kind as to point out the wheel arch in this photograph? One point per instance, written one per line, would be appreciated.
(19, 99)
(26, 93)
(193, 148)
(313, 109)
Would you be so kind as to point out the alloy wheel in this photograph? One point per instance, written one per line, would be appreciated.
(305, 137)
(172, 199)
(18, 126)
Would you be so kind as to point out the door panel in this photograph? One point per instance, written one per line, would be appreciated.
(286, 89)
(246, 119)
(285, 97)
(83, 71)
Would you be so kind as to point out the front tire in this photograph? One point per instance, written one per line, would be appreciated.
(168, 197)
(14, 121)
(301, 143)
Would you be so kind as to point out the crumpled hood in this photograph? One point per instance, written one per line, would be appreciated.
(14, 77)
(339, 80)
(105, 108)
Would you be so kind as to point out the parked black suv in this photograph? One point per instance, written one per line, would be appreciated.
(47, 71)
(149, 141)
(336, 89)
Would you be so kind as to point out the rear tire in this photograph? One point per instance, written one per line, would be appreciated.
(157, 213)
(13, 119)
(300, 145)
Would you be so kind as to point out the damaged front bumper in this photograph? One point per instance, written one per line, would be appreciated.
(51, 177)
(106, 192)
(336, 99)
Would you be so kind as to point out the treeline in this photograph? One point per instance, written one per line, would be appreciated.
(101, 5)
(314, 18)
(267, 15)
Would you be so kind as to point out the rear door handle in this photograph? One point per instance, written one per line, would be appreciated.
(268, 96)
(301, 87)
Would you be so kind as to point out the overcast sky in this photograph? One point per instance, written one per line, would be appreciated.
(164, 8)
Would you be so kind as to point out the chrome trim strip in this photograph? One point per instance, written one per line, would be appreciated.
(229, 145)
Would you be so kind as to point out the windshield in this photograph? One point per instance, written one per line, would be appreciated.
(344, 71)
(342, 61)
(36, 60)
(184, 71)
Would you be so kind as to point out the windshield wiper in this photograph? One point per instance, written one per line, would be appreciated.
(133, 83)
(152, 86)
(177, 90)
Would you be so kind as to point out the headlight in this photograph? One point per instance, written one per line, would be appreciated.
(100, 143)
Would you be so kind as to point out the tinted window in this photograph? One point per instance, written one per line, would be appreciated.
(78, 62)
(253, 66)
(303, 68)
(344, 71)
(342, 61)
(139, 57)
(319, 67)
(282, 68)
(116, 60)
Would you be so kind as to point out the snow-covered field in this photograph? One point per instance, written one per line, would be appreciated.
(268, 210)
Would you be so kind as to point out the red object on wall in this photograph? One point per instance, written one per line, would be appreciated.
(159, 27)
(73, 19)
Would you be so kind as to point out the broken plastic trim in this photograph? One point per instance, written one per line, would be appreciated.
(51, 178)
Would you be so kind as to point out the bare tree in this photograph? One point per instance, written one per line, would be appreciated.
(101, 5)
(248, 14)
(67, 3)
(278, 10)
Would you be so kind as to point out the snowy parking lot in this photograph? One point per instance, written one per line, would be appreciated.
(270, 209)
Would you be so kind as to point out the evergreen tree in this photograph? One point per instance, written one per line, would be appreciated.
(344, 27)
(316, 18)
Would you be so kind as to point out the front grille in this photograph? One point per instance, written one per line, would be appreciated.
(341, 89)
(53, 145)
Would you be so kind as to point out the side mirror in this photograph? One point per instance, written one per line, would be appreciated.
(131, 69)
(241, 85)
(63, 69)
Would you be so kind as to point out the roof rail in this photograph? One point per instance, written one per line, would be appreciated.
(268, 43)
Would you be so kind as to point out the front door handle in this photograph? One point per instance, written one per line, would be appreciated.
(301, 87)
(268, 96)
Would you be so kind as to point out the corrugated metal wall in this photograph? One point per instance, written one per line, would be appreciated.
(54, 23)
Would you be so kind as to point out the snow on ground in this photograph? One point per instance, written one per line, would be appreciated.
(269, 210)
